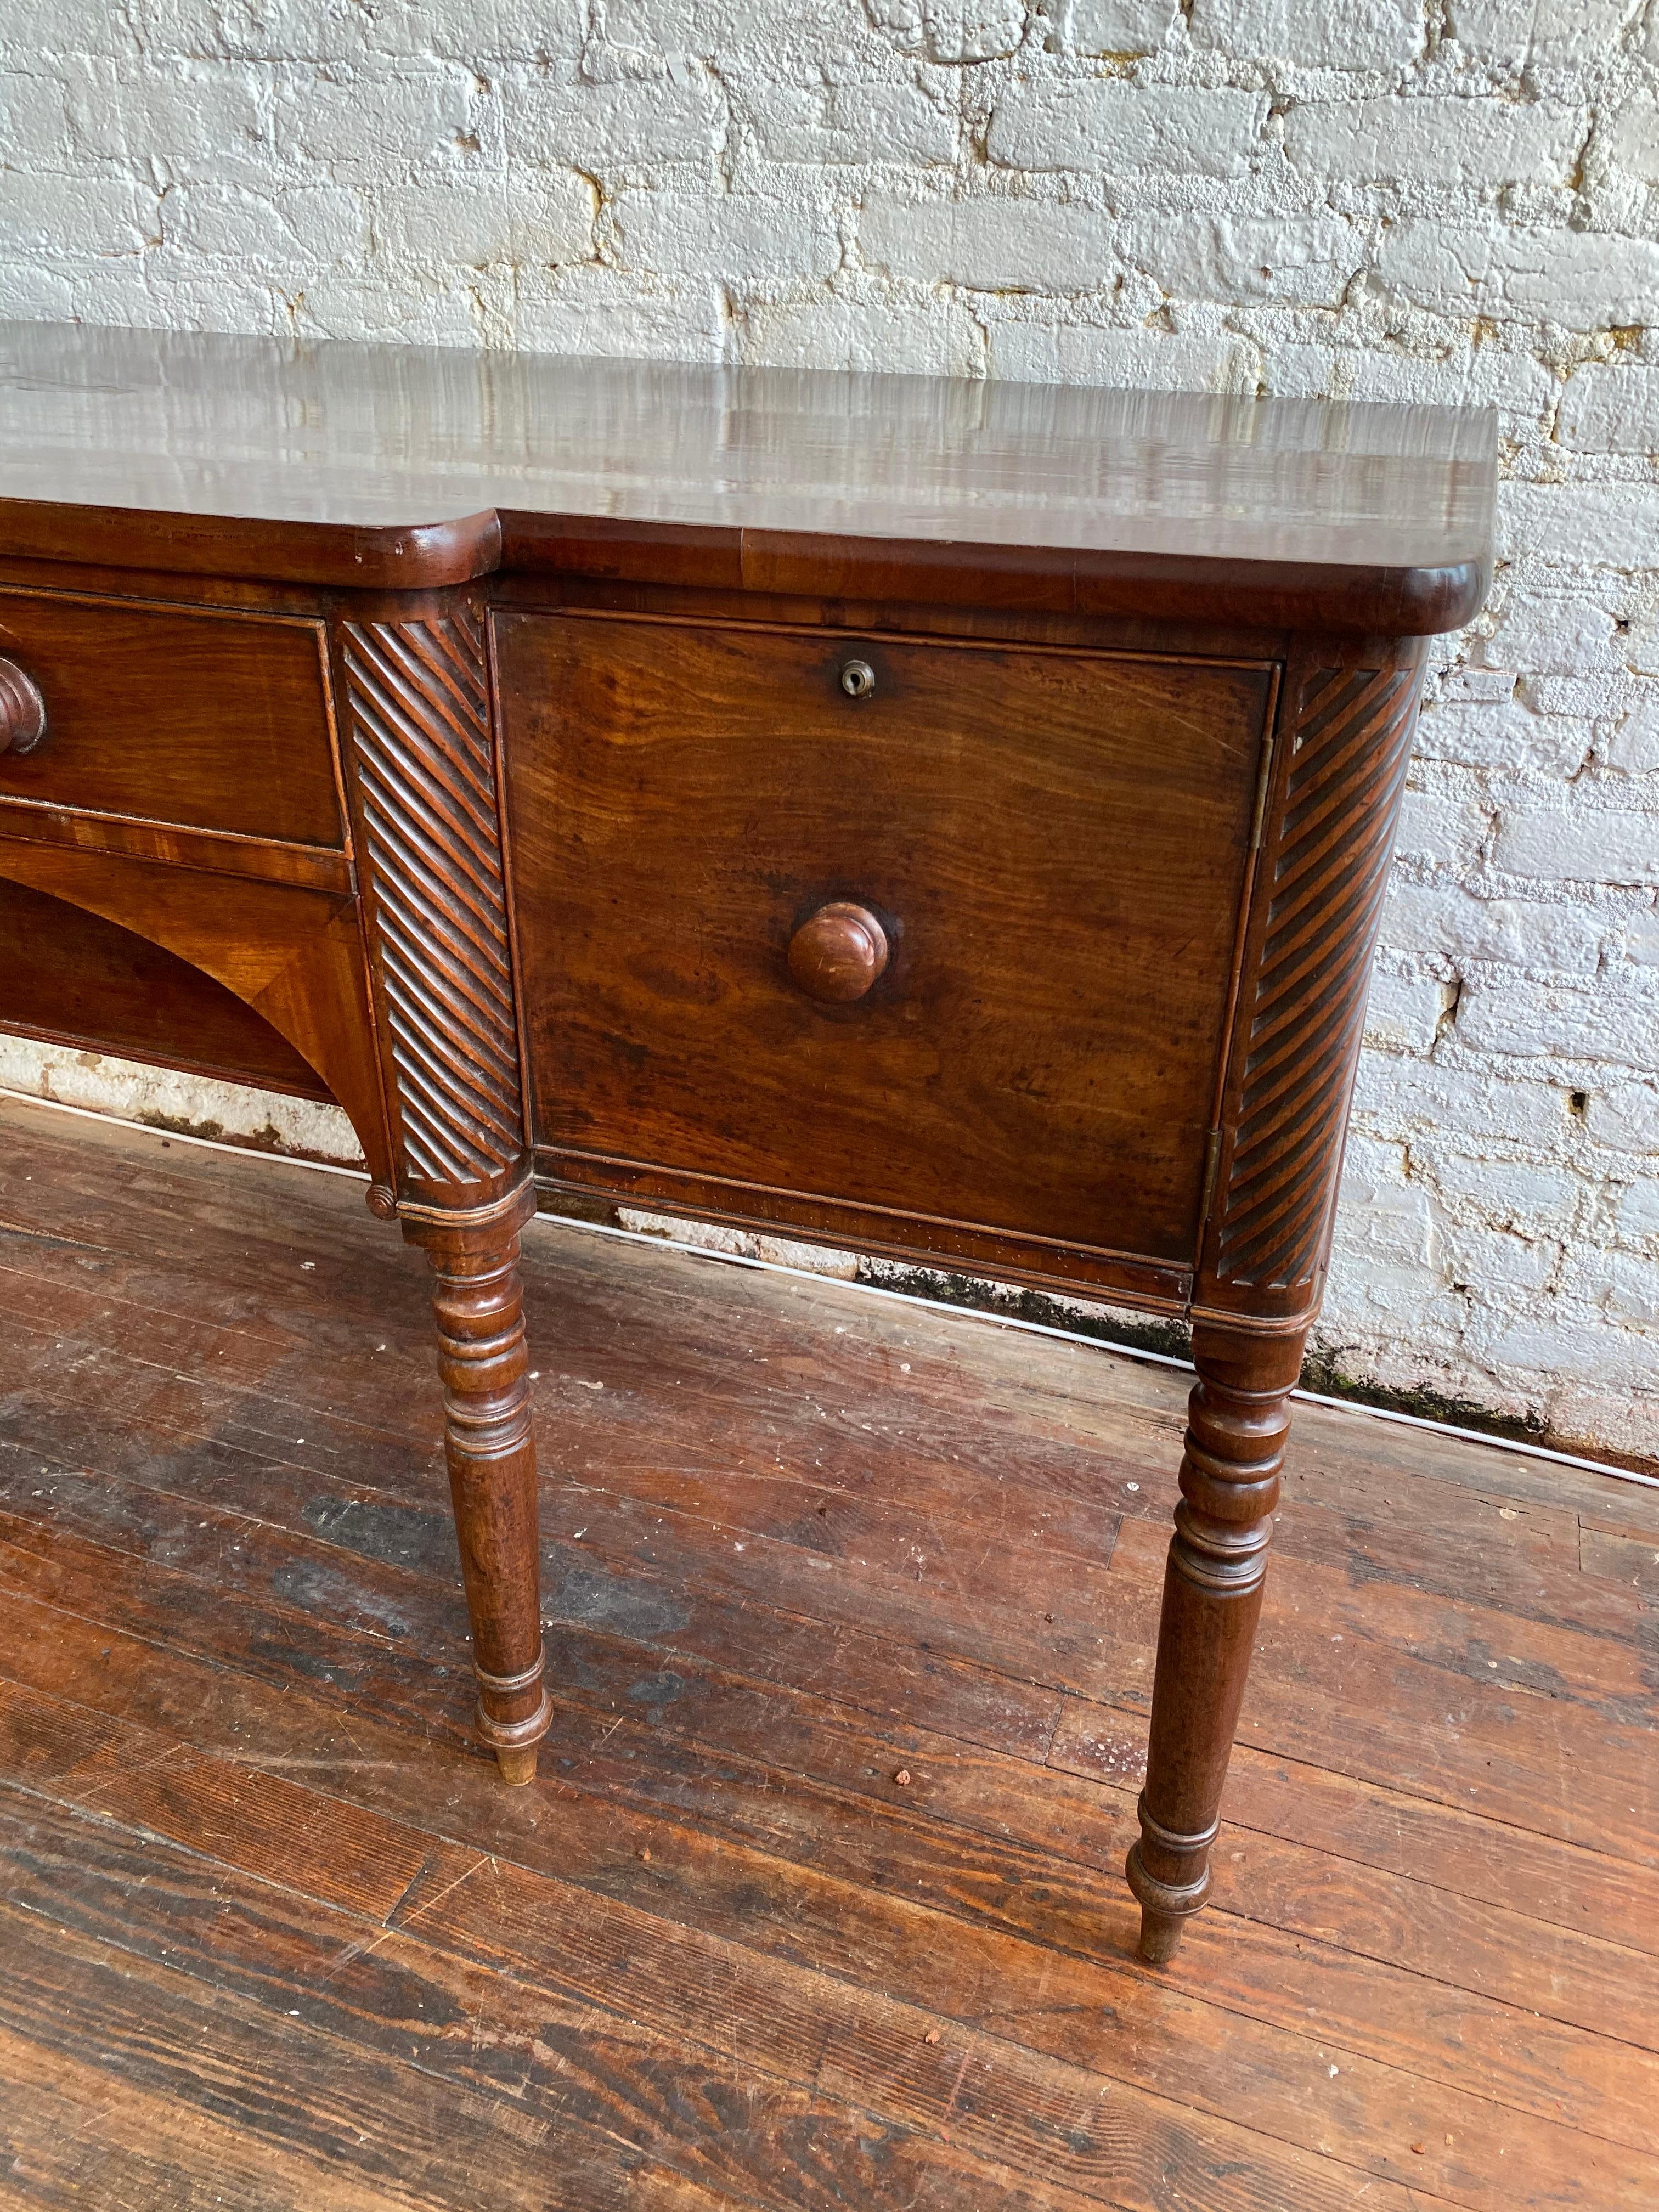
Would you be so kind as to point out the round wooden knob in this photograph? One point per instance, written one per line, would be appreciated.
(837, 953)
(22, 710)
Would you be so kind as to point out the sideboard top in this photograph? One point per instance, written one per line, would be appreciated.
(421, 464)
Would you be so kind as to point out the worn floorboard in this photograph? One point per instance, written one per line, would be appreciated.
(274, 1936)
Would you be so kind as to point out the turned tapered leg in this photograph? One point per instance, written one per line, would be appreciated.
(1237, 1417)
(479, 1303)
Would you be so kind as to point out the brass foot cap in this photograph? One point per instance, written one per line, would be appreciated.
(517, 1768)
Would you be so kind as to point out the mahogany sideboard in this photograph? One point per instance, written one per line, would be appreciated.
(945, 818)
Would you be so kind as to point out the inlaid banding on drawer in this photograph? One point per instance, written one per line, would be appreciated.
(194, 718)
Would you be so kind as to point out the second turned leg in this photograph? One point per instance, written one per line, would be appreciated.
(478, 1302)
(1238, 1418)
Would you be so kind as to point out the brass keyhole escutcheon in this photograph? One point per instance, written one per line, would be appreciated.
(857, 679)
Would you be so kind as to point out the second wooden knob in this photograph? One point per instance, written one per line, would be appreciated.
(22, 710)
(838, 953)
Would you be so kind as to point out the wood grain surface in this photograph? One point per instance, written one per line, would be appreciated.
(681, 803)
(215, 720)
(76, 979)
(292, 955)
(422, 465)
(851, 1608)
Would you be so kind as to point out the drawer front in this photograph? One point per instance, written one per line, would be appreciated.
(1051, 845)
(205, 720)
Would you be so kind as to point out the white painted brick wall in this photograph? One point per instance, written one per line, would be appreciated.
(1456, 200)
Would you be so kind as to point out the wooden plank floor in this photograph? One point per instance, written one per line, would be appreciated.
(818, 1903)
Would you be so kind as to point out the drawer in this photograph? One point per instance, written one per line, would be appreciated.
(205, 720)
(1052, 843)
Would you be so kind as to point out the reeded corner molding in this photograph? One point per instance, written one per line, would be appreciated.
(1327, 845)
(417, 700)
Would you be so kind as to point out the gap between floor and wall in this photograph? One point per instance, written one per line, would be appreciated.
(1157, 1343)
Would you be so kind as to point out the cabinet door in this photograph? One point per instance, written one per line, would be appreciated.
(1050, 845)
